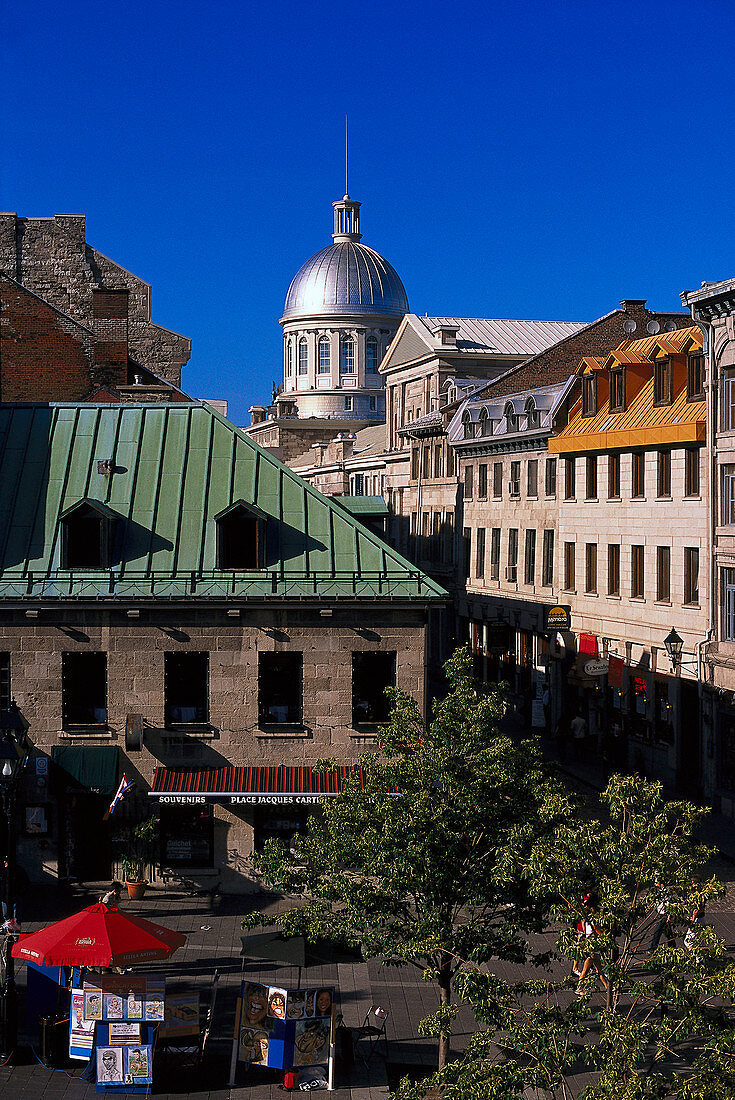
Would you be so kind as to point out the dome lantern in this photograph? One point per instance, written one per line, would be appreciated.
(346, 220)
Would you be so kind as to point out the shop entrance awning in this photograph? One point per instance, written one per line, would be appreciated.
(91, 766)
(249, 786)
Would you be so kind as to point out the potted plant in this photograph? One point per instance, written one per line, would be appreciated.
(137, 855)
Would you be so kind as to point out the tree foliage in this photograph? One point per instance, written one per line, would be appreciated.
(659, 1029)
(426, 863)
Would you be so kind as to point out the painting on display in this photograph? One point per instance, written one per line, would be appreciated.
(282, 1028)
(110, 1065)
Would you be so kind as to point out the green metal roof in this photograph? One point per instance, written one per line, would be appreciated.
(175, 468)
(364, 506)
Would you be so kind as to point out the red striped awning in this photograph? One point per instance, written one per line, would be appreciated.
(250, 785)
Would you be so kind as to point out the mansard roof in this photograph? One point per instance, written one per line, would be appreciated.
(170, 471)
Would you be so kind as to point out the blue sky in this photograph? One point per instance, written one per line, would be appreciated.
(543, 159)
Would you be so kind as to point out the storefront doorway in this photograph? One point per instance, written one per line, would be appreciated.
(187, 836)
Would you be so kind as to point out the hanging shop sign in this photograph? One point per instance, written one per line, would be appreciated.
(596, 668)
(558, 617)
(497, 637)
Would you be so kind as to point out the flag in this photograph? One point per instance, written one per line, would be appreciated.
(120, 793)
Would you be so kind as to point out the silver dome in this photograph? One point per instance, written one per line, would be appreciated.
(347, 277)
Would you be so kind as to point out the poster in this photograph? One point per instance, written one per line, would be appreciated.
(112, 1006)
(81, 1031)
(122, 1033)
(110, 1065)
(92, 1004)
(138, 1063)
(182, 1015)
(284, 1028)
(124, 997)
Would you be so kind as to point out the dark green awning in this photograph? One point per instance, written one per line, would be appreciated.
(92, 766)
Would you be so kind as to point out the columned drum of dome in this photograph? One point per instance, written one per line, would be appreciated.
(342, 309)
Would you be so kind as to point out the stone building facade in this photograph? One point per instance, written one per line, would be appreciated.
(64, 305)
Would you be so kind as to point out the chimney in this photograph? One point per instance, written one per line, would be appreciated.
(446, 335)
(110, 326)
(633, 305)
(342, 446)
(319, 450)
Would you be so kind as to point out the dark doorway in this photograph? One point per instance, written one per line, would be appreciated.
(187, 836)
(86, 853)
(690, 755)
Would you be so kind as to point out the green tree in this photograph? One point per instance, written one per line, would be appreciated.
(648, 1023)
(425, 862)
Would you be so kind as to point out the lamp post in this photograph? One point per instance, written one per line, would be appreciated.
(13, 755)
(674, 646)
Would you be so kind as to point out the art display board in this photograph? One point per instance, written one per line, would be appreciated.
(284, 1028)
(181, 1016)
(119, 998)
(123, 1055)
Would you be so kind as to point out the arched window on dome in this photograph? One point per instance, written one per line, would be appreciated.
(303, 356)
(371, 355)
(324, 355)
(347, 357)
(289, 359)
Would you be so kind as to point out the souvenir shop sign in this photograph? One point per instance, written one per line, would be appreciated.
(556, 618)
(282, 1028)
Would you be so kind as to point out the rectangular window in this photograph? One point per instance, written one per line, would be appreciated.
(530, 560)
(532, 477)
(448, 536)
(348, 404)
(663, 479)
(590, 568)
(372, 404)
(512, 570)
(427, 461)
(662, 382)
(495, 554)
(551, 477)
(186, 688)
(469, 482)
(280, 688)
(638, 483)
(589, 395)
(450, 461)
(617, 390)
(613, 477)
(569, 479)
(691, 472)
(728, 495)
(482, 481)
(466, 550)
(728, 605)
(663, 573)
(637, 579)
(480, 553)
(695, 377)
(728, 402)
(497, 479)
(569, 566)
(438, 464)
(591, 477)
(414, 463)
(691, 574)
(514, 488)
(547, 573)
(372, 674)
(5, 695)
(613, 569)
(83, 689)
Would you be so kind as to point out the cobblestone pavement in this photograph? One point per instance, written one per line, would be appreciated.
(212, 927)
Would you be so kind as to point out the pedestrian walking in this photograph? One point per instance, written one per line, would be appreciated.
(662, 925)
(578, 730)
(592, 962)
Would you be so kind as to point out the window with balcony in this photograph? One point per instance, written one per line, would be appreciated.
(280, 688)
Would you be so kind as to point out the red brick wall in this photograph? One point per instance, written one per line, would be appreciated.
(44, 356)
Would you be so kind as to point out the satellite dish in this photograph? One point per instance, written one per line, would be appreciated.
(629, 326)
(652, 328)
(670, 326)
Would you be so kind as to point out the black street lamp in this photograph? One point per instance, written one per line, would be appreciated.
(13, 755)
(674, 646)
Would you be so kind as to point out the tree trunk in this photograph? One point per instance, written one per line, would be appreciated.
(445, 982)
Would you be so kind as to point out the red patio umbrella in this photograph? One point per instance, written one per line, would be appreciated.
(98, 936)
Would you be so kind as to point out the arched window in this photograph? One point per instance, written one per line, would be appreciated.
(289, 359)
(371, 355)
(303, 356)
(533, 418)
(483, 421)
(347, 361)
(324, 355)
(467, 426)
(511, 417)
